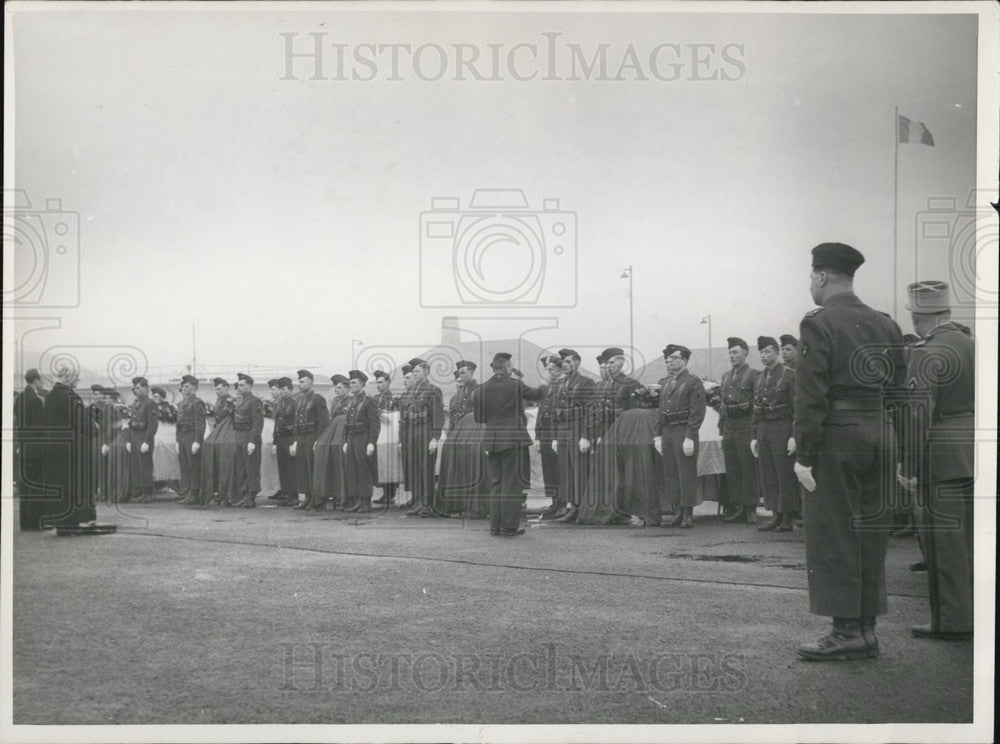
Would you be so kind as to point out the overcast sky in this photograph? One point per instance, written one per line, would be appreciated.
(283, 217)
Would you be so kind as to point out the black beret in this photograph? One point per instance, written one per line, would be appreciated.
(417, 362)
(671, 348)
(601, 359)
(273, 382)
(189, 380)
(244, 377)
(569, 353)
(787, 338)
(285, 382)
(357, 374)
(96, 388)
(220, 381)
(338, 379)
(31, 375)
(612, 351)
(500, 358)
(304, 373)
(837, 257)
(140, 381)
(764, 341)
(736, 341)
(380, 374)
(471, 366)
(407, 368)
(159, 390)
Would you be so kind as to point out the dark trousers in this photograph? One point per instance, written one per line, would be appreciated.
(741, 467)
(944, 520)
(140, 466)
(304, 460)
(680, 472)
(358, 474)
(777, 468)
(286, 464)
(190, 464)
(847, 517)
(574, 468)
(508, 481)
(247, 465)
(550, 468)
(420, 464)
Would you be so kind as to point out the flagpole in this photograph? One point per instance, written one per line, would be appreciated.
(895, 208)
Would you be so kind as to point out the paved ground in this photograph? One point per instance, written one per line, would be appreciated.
(195, 615)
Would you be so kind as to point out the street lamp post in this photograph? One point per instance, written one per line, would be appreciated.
(354, 342)
(708, 319)
(627, 274)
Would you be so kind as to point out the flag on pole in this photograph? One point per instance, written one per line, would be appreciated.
(913, 131)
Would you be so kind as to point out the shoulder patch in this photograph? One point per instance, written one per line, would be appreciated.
(814, 312)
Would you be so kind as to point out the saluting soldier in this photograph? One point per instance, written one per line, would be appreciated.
(545, 435)
(682, 411)
(311, 418)
(573, 438)
(143, 423)
(734, 424)
(773, 444)
(425, 416)
(789, 350)
(191, 415)
(363, 424)
(388, 464)
(284, 435)
(939, 457)
(849, 356)
(248, 423)
(403, 402)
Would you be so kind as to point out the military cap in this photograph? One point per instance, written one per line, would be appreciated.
(96, 388)
(357, 374)
(304, 373)
(600, 358)
(612, 351)
(142, 381)
(189, 380)
(31, 375)
(471, 366)
(407, 368)
(500, 359)
(788, 339)
(338, 379)
(764, 341)
(243, 377)
(158, 391)
(671, 348)
(285, 382)
(737, 341)
(569, 353)
(220, 381)
(418, 362)
(380, 374)
(929, 297)
(273, 382)
(837, 257)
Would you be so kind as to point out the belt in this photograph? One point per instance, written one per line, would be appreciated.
(674, 419)
(777, 415)
(862, 406)
(738, 411)
(137, 424)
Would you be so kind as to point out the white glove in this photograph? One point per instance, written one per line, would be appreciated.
(251, 448)
(370, 449)
(274, 449)
(910, 484)
(432, 447)
(688, 446)
(195, 448)
(144, 448)
(555, 446)
(105, 449)
(599, 439)
(584, 444)
(658, 444)
(292, 449)
(805, 476)
(128, 447)
(791, 446)
(344, 448)
(538, 445)
(754, 448)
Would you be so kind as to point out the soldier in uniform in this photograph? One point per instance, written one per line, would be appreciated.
(311, 418)
(248, 423)
(387, 457)
(105, 417)
(29, 451)
(425, 420)
(545, 434)
(789, 350)
(773, 444)
(143, 423)
(454, 491)
(403, 402)
(938, 462)
(682, 411)
(849, 356)
(363, 424)
(734, 424)
(191, 416)
(166, 411)
(572, 442)
(284, 435)
(218, 452)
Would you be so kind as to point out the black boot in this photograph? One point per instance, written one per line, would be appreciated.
(844, 642)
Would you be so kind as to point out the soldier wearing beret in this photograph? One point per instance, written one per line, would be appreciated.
(462, 476)
(191, 416)
(850, 357)
(105, 415)
(248, 423)
(773, 444)
(388, 467)
(789, 350)
(682, 411)
(425, 421)
(311, 418)
(734, 424)
(29, 452)
(363, 425)
(545, 435)
(572, 442)
(284, 435)
(218, 451)
(143, 423)
(938, 462)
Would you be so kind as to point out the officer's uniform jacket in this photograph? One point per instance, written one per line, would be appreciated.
(284, 419)
(362, 418)
(191, 415)
(573, 399)
(773, 397)
(611, 398)
(386, 401)
(682, 404)
(143, 421)
(311, 414)
(546, 419)
(425, 409)
(737, 394)
(248, 418)
(461, 403)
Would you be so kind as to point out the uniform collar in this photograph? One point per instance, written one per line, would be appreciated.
(842, 298)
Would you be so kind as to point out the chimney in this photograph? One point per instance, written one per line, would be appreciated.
(450, 333)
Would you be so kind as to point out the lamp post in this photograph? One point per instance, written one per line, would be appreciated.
(354, 342)
(708, 319)
(627, 274)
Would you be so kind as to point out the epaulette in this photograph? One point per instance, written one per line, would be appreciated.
(813, 312)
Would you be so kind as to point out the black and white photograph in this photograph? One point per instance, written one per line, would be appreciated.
(499, 371)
